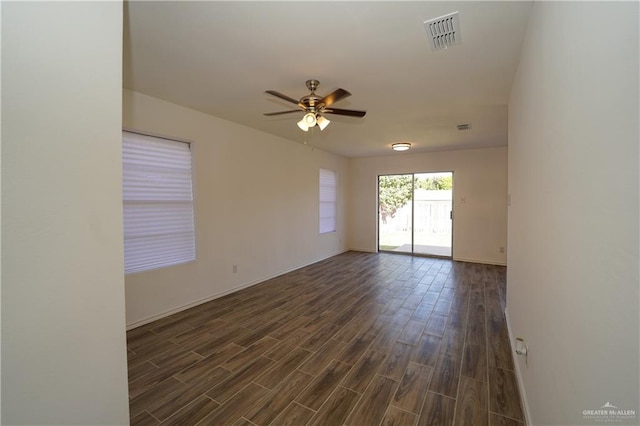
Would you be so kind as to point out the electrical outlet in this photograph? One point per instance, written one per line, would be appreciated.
(522, 349)
(235, 269)
(501, 249)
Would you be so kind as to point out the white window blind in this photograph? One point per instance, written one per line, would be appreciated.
(328, 197)
(157, 203)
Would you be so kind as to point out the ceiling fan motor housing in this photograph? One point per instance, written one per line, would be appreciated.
(312, 85)
(311, 101)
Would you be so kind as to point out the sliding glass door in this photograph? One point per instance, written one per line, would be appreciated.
(415, 213)
(395, 213)
(433, 206)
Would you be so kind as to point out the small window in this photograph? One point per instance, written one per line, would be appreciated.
(328, 196)
(157, 203)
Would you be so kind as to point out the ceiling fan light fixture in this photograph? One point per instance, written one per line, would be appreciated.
(309, 119)
(322, 122)
(303, 126)
(401, 146)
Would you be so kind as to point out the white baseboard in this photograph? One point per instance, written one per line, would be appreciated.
(186, 306)
(484, 262)
(523, 394)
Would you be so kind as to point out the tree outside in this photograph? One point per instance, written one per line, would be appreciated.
(394, 192)
(435, 183)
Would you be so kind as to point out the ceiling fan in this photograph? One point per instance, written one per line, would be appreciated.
(315, 106)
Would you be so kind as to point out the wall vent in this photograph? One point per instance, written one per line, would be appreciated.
(443, 32)
(465, 126)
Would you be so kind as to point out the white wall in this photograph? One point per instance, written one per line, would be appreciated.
(480, 176)
(0, 227)
(573, 222)
(256, 206)
(63, 327)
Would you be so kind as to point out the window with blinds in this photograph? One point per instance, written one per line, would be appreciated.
(328, 201)
(157, 203)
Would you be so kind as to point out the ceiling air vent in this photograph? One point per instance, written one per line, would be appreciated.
(465, 126)
(443, 32)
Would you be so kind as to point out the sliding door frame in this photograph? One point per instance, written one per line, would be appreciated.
(413, 211)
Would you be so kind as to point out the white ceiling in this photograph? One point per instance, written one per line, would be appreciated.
(220, 57)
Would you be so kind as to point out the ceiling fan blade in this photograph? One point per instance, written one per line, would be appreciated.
(334, 97)
(281, 112)
(349, 112)
(281, 96)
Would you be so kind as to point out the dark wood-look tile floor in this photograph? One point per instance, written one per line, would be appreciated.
(358, 339)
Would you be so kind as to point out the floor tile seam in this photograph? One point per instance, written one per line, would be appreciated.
(365, 391)
(204, 394)
(140, 353)
(288, 375)
(506, 416)
(455, 401)
(182, 381)
(464, 346)
(292, 349)
(301, 404)
(442, 395)
(145, 374)
(314, 376)
(348, 343)
(383, 415)
(247, 420)
(258, 384)
(273, 390)
(192, 352)
(149, 388)
(391, 404)
(351, 389)
(184, 407)
(360, 394)
(230, 397)
(154, 417)
(356, 362)
(426, 387)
